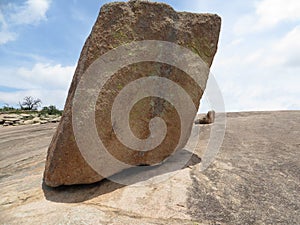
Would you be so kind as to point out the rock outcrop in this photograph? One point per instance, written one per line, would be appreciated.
(11, 119)
(254, 180)
(117, 24)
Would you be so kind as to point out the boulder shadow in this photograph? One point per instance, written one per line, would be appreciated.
(83, 192)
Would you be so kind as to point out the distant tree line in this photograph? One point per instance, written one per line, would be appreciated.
(51, 110)
(30, 104)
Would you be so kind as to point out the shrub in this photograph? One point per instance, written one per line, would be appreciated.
(51, 110)
(7, 108)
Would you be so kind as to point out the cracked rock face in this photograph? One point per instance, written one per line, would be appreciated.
(117, 24)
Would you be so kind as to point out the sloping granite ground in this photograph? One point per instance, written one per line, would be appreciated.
(255, 179)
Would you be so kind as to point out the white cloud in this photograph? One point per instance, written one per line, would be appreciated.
(2, 21)
(48, 97)
(275, 92)
(281, 53)
(6, 36)
(268, 14)
(272, 12)
(245, 25)
(44, 81)
(260, 74)
(45, 75)
(288, 48)
(13, 15)
(33, 11)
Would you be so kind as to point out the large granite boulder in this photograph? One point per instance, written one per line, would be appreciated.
(117, 24)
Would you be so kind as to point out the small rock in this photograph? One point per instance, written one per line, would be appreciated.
(12, 119)
(21, 122)
(56, 120)
(207, 119)
(36, 120)
(25, 116)
(9, 122)
(9, 116)
(42, 117)
(27, 122)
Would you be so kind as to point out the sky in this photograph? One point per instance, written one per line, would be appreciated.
(257, 64)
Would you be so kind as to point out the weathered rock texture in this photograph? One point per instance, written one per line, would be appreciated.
(119, 23)
(254, 180)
